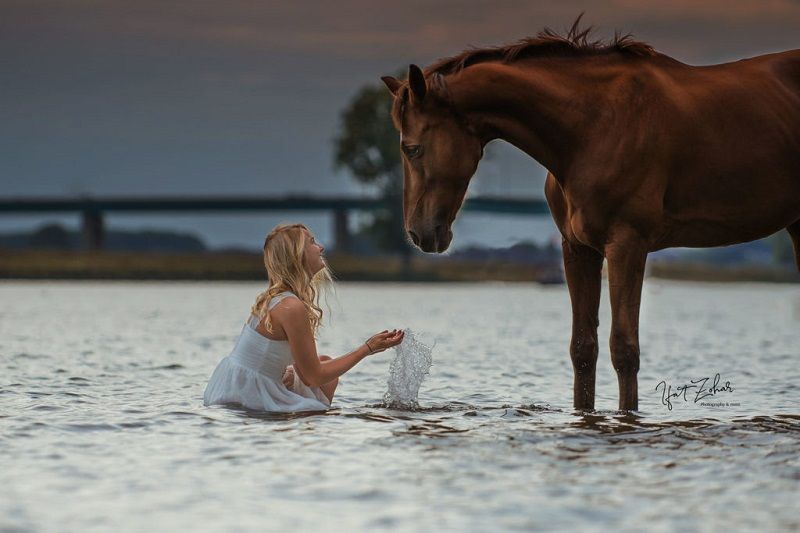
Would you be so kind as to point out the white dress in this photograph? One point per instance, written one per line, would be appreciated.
(251, 376)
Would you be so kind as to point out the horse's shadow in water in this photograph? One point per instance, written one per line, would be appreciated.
(625, 423)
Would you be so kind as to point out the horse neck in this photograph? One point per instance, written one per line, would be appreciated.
(539, 105)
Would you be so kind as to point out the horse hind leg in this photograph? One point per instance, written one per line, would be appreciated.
(794, 233)
(626, 255)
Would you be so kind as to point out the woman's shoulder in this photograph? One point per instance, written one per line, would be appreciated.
(290, 314)
(281, 296)
(286, 301)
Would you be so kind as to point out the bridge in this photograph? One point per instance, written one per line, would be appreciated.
(92, 209)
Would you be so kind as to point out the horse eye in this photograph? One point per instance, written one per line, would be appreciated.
(412, 151)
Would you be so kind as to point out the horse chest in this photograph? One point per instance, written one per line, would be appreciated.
(596, 221)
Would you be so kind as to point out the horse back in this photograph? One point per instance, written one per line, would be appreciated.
(736, 167)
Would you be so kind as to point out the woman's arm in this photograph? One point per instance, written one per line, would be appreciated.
(291, 315)
(376, 343)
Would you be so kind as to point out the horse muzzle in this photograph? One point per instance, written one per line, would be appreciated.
(432, 240)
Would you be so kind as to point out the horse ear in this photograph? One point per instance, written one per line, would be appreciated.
(392, 83)
(416, 80)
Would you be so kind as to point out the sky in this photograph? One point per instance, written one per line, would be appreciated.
(244, 97)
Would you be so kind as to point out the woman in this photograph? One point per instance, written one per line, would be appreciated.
(274, 365)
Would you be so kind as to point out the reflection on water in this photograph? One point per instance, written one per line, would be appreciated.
(102, 424)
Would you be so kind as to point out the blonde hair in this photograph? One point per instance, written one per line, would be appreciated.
(284, 250)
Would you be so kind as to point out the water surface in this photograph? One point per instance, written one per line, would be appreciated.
(102, 424)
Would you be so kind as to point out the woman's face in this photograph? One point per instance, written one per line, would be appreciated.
(312, 255)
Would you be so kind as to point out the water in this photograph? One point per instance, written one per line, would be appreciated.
(102, 425)
(411, 363)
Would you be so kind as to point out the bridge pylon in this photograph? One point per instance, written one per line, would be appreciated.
(93, 229)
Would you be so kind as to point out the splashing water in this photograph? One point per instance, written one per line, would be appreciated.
(408, 369)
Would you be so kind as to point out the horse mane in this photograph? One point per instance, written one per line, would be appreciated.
(547, 43)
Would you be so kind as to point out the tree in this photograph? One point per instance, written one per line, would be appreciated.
(367, 146)
(51, 237)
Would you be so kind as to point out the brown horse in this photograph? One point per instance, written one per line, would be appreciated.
(644, 152)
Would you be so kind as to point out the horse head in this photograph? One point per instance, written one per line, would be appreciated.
(440, 153)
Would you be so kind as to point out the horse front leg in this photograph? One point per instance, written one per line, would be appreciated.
(582, 267)
(627, 256)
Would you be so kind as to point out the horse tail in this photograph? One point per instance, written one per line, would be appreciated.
(794, 233)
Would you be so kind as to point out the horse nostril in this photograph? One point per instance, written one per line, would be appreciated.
(414, 237)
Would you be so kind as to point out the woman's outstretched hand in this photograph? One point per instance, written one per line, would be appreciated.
(383, 340)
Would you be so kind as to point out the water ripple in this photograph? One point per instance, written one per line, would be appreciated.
(102, 427)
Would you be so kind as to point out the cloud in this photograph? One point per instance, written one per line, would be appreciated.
(370, 29)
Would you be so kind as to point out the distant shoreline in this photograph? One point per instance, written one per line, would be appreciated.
(244, 266)
(693, 271)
